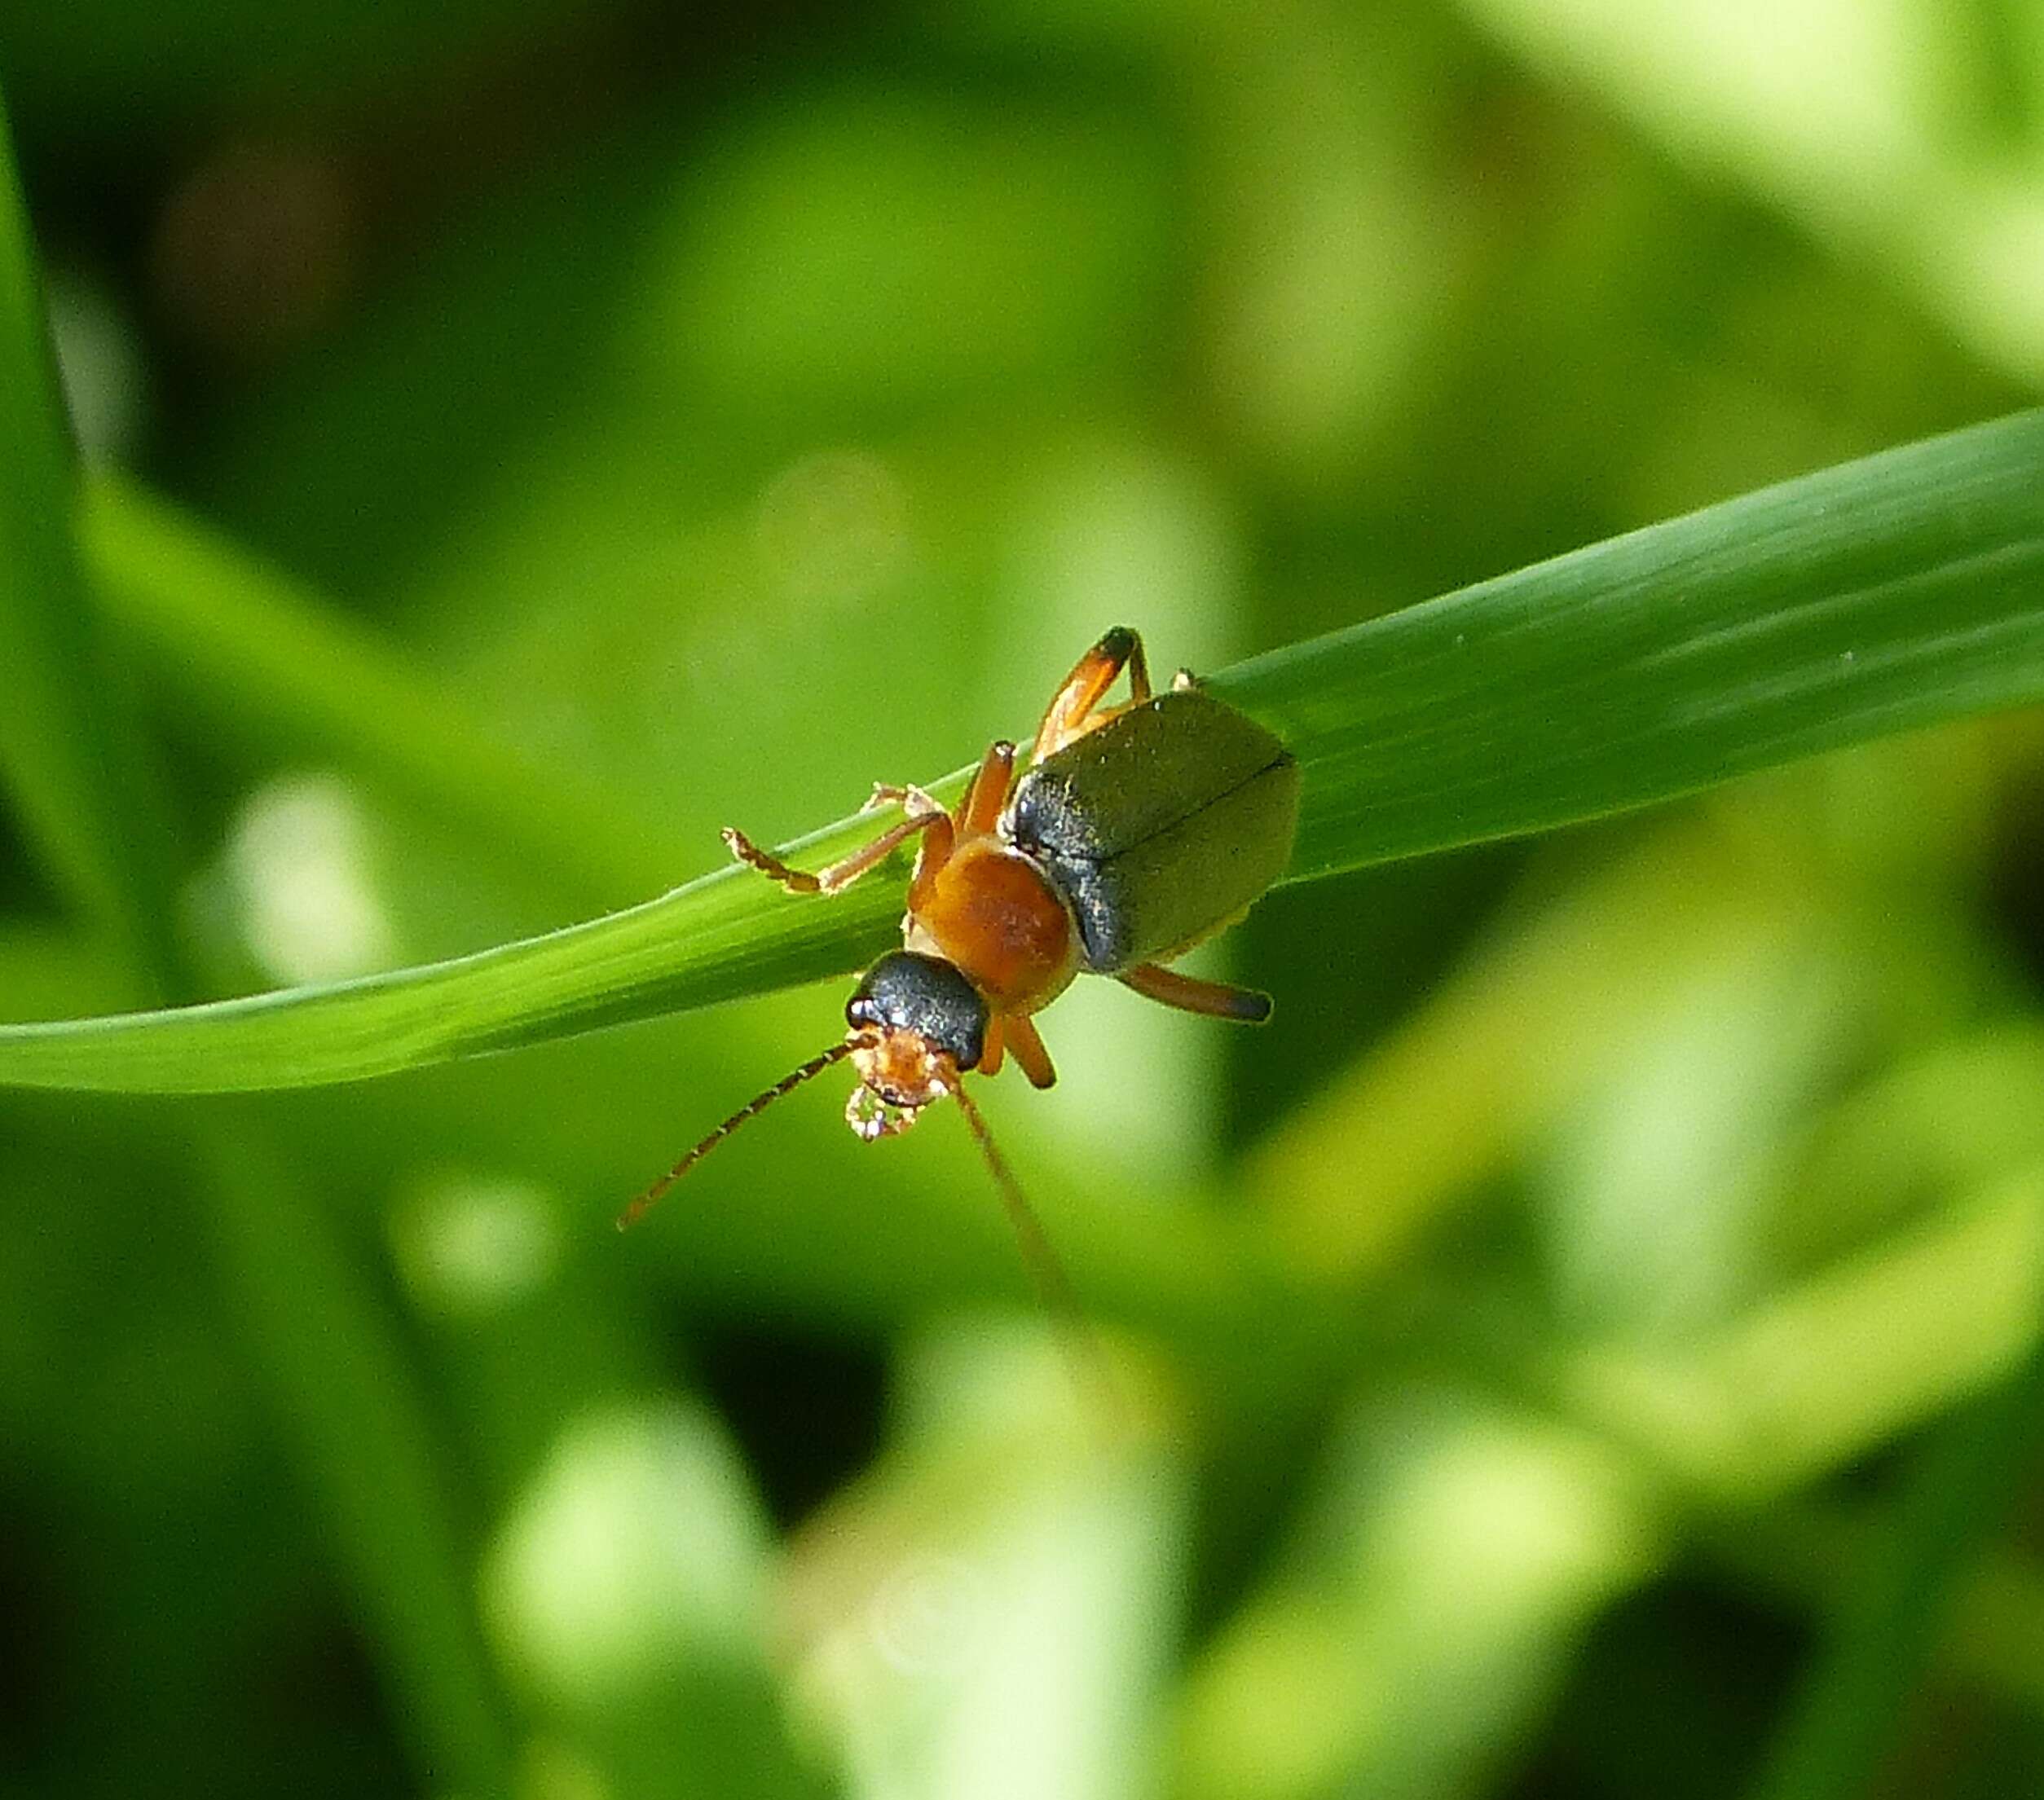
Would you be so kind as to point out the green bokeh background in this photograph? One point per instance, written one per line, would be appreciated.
(1583, 1349)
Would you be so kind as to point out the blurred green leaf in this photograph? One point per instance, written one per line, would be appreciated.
(1856, 122)
(1849, 1714)
(57, 752)
(1004, 1546)
(341, 1384)
(1884, 594)
(1441, 1569)
(69, 64)
(229, 628)
(643, 1637)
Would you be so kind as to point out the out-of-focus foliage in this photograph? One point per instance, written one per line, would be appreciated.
(1587, 1346)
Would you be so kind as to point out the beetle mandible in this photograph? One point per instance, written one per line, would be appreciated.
(1134, 832)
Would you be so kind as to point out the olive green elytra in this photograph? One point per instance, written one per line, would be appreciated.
(1160, 828)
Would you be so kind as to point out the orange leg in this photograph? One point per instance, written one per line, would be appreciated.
(1019, 1031)
(1071, 713)
(934, 852)
(1215, 999)
(976, 816)
(937, 846)
(981, 806)
(991, 1055)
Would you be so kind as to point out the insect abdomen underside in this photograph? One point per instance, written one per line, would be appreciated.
(1162, 827)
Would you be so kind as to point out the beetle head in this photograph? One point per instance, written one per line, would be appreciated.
(916, 1026)
(916, 1023)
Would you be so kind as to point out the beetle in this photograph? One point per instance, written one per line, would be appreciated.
(1134, 833)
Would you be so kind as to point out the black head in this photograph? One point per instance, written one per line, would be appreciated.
(926, 996)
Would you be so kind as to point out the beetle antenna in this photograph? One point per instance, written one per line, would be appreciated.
(758, 1104)
(1046, 1268)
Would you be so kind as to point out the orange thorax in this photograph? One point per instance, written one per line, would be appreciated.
(991, 913)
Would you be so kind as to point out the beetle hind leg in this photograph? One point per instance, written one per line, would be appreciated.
(1213, 999)
(1076, 708)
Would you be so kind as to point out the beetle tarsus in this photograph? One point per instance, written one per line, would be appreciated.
(924, 814)
(918, 802)
(745, 851)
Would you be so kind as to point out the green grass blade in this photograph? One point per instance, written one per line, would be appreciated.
(1892, 592)
(711, 941)
(1886, 593)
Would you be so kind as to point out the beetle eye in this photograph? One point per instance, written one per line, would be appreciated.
(862, 1008)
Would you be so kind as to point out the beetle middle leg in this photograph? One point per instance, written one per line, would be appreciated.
(1214, 999)
(1019, 1031)
(936, 825)
(1076, 708)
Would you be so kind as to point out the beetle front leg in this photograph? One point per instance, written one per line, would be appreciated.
(913, 800)
(980, 809)
(841, 874)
